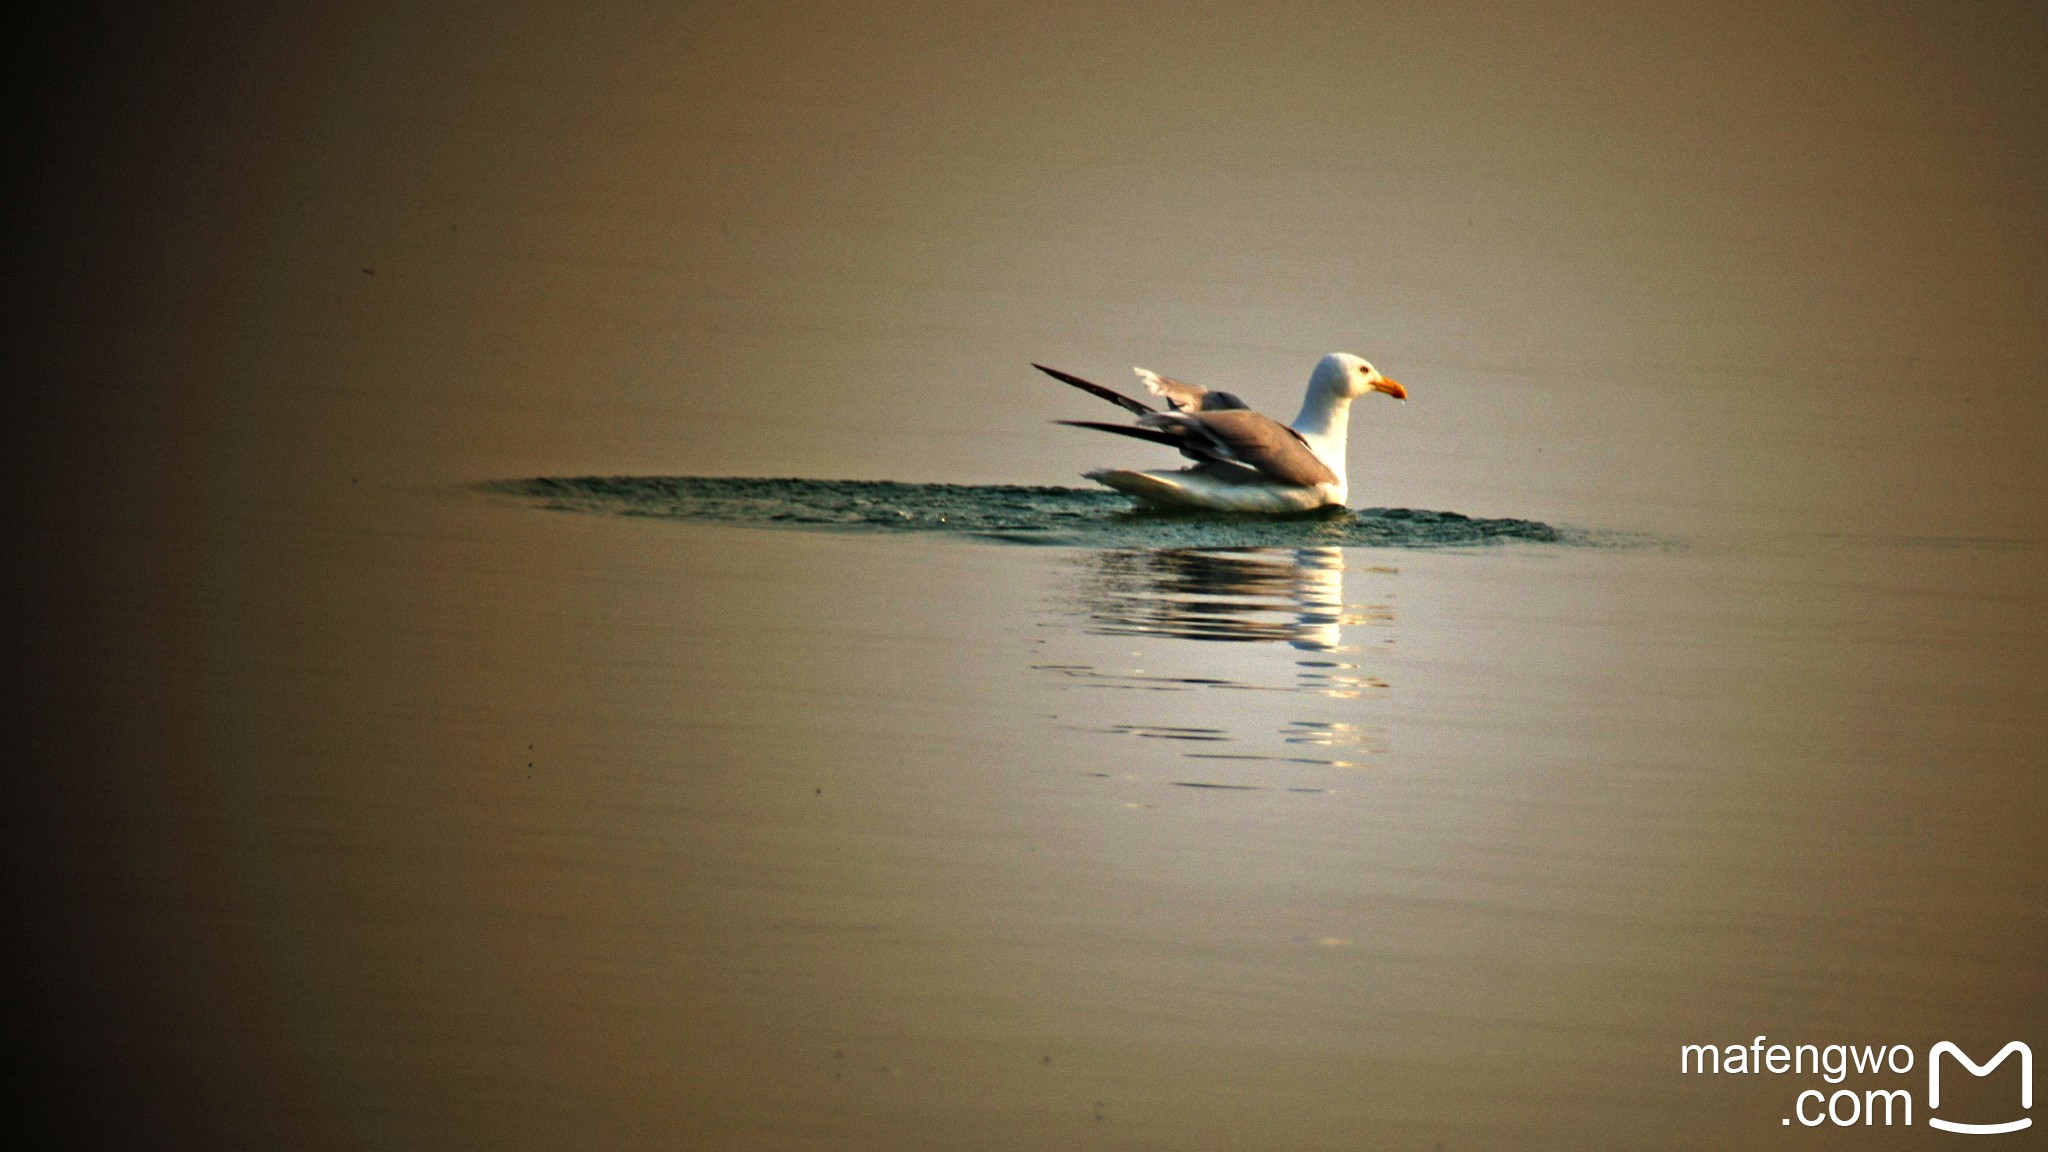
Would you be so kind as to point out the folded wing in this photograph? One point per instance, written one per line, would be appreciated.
(1242, 436)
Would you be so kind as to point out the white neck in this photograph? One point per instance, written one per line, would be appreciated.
(1325, 422)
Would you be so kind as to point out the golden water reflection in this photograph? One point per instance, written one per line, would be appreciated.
(1289, 628)
(1291, 595)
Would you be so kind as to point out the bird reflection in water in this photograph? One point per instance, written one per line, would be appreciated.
(1276, 596)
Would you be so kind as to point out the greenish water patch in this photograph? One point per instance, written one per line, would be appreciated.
(1080, 517)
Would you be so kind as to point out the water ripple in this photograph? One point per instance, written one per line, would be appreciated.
(1013, 513)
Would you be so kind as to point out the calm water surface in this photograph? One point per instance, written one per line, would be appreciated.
(546, 828)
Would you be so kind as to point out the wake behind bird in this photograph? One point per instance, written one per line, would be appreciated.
(1019, 514)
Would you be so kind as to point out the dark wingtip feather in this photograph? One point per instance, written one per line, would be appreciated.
(1157, 437)
(1135, 407)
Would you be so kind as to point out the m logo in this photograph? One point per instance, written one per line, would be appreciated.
(1976, 1069)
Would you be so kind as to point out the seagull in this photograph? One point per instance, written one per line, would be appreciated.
(1244, 462)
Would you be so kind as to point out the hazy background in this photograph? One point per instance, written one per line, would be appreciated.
(1784, 256)
(282, 278)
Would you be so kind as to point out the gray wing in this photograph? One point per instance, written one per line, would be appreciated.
(1184, 397)
(1244, 437)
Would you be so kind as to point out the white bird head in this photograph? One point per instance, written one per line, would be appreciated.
(1347, 376)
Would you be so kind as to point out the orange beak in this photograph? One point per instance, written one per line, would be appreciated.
(1390, 388)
